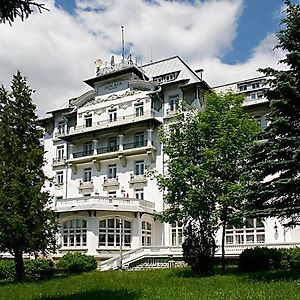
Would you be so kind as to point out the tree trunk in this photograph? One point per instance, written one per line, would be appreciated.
(223, 246)
(19, 264)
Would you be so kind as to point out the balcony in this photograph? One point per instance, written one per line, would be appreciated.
(59, 162)
(109, 123)
(113, 152)
(137, 180)
(111, 184)
(99, 203)
(86, 186)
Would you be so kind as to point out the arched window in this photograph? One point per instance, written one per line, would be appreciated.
(253, 232)
(146, 233)
(109, 232)
(177, 233)
(74, 233)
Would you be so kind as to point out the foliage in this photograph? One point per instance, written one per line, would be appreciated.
(27, 222)
(77, 263)
(290, 258)
(12, 9)
(259, 259)
(273, 171)
(7, 269)
(205, 153)
(167, 284)
(39, 268)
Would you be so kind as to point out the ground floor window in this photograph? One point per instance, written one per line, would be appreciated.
(146, 233)
(74, 233)
(177, 233)
(252, 232)
(112, 230)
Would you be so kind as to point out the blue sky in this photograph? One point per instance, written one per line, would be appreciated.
(258, 18)
(56, 50)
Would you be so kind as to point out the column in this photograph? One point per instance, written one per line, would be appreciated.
(95, 146)
(149, 137)
(92, 235)
(136, 236)
(121, 138)
(71, 150)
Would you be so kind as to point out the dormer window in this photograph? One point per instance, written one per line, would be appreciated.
(112, 115)
(170, 77)
(242, 87)
(88, 120)
(139, 109)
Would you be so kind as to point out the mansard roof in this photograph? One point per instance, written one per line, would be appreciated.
(171, 65)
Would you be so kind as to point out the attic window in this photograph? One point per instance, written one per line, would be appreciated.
(170, 77)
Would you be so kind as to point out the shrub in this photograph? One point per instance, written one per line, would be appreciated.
(38, 268)
(290, 258)
(259, 259)
(7, 269)
(77, 263)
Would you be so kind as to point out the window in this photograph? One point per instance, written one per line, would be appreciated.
(258, 95)
(113, 144)
(139, 140)
(146, 233)
(255, 85)
(174, 102)
(177, 233)
(139, 109)
(113, 230)
(59, 178)
(139, 193)
(112, 115)
(242, 87)
(112, 171)
(60, 152)
(74, 233)
(139, 167)
(88, 120)
(88, 149)
(112, 194)
(61, 127)
(253, 232)
(87, 175)
(170, 77)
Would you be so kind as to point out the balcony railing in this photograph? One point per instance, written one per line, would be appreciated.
(108, 149)
(137, 144)
(114, 121)
(111, 179)
(86, 185)
(83, 153)
(116, 67)
(104, 200)
(57, 161)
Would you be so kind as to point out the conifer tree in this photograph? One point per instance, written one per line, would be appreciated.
(27, 223)
(273, 171)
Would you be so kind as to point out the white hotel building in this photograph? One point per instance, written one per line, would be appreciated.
(98, 148)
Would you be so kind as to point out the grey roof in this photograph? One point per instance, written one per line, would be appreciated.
(170, 65)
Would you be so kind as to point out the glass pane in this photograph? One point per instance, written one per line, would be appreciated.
(111, 223)
(84, 223)
(102, 224)
(143, 225)
(260, 238)
(127, 224)
(148, 226)
(239, 239)
(84, 239)
(229, 239)
(65, 242)
(250, 239)
(249, 223)
(77, 240)
(102, 239)
(110, 240)
(259, 223)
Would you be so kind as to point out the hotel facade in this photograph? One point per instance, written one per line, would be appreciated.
(99, 147)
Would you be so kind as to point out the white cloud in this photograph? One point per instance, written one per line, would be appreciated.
(56, 50)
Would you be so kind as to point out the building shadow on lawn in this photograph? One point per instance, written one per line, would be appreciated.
(268, 276)
(95, 295)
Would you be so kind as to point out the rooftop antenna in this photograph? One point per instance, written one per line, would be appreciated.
(123, 43)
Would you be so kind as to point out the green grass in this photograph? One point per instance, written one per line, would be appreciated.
(158, 284)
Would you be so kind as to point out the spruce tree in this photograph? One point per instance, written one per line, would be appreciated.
(273, 171)
(27, 223)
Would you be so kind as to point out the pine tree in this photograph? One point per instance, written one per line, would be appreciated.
(27, 223)
(273, 171)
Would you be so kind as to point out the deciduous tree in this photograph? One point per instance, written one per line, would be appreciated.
(205, 155)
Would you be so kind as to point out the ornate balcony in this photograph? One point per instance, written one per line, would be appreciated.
(111, 183)
(94, 203)
(137, 180)
(86, 186)
(58, 162)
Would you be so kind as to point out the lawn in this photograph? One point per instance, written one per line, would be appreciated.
(158, 284)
